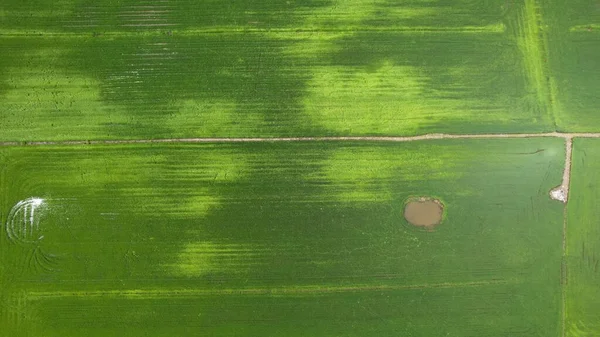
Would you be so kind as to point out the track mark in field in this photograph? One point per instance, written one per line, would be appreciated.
(532, 42)
(23, 221)
(23, 229)
(40, 261)
(292, 291)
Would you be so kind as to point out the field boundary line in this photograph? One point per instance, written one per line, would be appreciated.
(303, 139)
(564, 277)
(278, 291)
(564, 272)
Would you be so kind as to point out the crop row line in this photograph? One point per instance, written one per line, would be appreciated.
(171, 29)
(278, 291)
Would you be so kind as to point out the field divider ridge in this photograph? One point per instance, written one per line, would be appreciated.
(302, 139)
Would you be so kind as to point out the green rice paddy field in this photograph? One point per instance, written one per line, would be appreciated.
(155, 69)
(245, 240)
(297, 238)
(583, 242)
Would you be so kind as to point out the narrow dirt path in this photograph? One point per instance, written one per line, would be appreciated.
(303, 139)
(561, 192)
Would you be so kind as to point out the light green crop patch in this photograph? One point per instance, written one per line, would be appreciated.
(585, 28)
(351, 15)
(340, 14)
(362, 175)
(205, 257)
(391, 99)
(147, 172)
(378, 15)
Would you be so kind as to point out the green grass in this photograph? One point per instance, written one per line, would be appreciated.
(271, 68)
(276, 239)
(583, 242)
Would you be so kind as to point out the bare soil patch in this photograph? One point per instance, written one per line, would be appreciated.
(424, 212)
